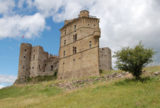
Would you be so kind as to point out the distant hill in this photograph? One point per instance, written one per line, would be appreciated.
(114, 93)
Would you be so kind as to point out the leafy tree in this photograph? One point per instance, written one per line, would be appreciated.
(134, 60)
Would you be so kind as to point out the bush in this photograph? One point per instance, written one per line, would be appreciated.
(134, 60)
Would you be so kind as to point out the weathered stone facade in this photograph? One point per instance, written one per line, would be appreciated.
(105, 59)
(79, 54)
(34, 61)
(79, 47)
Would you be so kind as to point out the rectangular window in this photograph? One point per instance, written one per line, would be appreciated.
(65, 32)
(90, 44)
(64, 42)
(39, 67)
(51, 67)
(33, 57)
(74, 37)
(64, 53)
(74, 50)
(75, 28)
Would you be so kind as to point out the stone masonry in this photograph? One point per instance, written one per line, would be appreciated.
(79, 53)
(105, 59)
(34, 61)
(79, 48)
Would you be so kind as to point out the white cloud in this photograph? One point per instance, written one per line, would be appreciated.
(1, 86)
(17, 25)
(6, 6)
(123, 22)
(7, 79)
(62, 9)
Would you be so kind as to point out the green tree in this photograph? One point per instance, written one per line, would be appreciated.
(134, 59)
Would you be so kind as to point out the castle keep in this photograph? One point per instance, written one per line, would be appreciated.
(79, 53)
(79, 46)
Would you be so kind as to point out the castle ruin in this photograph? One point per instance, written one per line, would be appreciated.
(79, 53)
(34, 61)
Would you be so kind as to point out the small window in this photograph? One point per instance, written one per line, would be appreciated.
(39, 67)
(63, 63)
(75, 28)
(33, 57)
(44, 67)
(64, 42)
(74, 50)
(90, 44)
(24, 56)
(32, 67)
(64, 53)
(74, 60)
(25, 50)
(51, 67)
(23, 67)
(65, 32)
(74, 37)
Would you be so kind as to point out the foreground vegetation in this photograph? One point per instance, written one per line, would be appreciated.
(134, 59)
(120, 93)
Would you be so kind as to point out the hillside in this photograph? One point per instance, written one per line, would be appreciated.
(117, 93)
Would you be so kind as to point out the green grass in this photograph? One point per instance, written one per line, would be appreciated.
(152, 69)
(30, 90)
(103, 72)
(124, 93)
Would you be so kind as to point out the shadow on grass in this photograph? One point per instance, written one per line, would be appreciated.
(133, 81)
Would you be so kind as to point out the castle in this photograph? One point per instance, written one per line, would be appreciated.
(79, 53)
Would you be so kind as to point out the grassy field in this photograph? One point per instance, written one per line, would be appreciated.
(123, 93)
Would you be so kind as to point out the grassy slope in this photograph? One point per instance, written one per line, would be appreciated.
(113, 94)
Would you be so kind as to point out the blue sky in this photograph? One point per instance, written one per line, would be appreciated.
(9, 53)
(123, 23)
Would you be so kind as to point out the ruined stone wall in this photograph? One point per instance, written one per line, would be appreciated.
(34, 61)
(105, 59)
(37, 61)
(24, 61)
(85, 62)
(51, 65)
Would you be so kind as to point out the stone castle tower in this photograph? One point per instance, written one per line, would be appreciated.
(34, 61)
(79, 47)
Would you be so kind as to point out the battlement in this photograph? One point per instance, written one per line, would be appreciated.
(83, 18)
